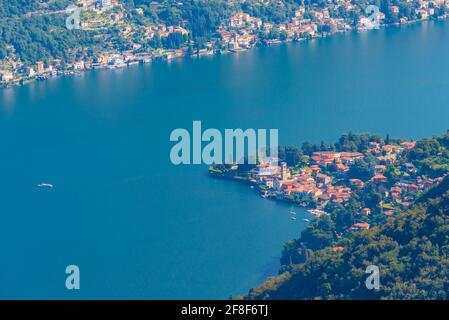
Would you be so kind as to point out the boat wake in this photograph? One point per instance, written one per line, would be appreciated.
(46, 185)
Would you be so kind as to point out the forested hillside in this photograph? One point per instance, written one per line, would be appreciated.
(30, 35)
(411, 251)
(34, 30)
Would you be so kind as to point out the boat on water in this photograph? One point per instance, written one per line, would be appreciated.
(306, 220)
(293, 218)
(45, 185)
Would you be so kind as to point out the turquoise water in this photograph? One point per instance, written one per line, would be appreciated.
(140, 227)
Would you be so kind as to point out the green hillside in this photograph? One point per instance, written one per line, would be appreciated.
(411, 251)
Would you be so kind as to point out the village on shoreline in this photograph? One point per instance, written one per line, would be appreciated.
(239, 33)
(322, 181)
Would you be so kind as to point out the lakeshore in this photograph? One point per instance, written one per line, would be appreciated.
(386, 172)
(386, 181)
(238, 33)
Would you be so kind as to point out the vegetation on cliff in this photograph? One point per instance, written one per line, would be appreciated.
(411, 251)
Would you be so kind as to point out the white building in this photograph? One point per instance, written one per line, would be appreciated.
(6, 76)
(31, 72)
(79, 65)
(105, 4)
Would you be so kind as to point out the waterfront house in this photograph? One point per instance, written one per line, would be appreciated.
(366, 23)
(246, 40)
(31, 73)
(269, 182)
(40, 67)
(102, 60)
(6, 76)
(78, 65)
(226, 36)
(422, 14)
(267, 170)
(307, 193)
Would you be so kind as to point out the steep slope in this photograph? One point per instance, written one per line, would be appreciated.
(411, 251)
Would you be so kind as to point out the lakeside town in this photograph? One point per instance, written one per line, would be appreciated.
(146, 42)
(391, 213)
(379, 182)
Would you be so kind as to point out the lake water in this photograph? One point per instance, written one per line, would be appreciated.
(140, 227)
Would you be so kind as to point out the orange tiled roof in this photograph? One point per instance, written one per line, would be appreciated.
(379, 177)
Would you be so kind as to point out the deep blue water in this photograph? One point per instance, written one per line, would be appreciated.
(140, 227)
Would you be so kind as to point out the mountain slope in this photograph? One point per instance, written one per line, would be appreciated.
(411, 251)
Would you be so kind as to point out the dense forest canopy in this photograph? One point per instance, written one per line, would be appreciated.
(411, 251)
(40, 37)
